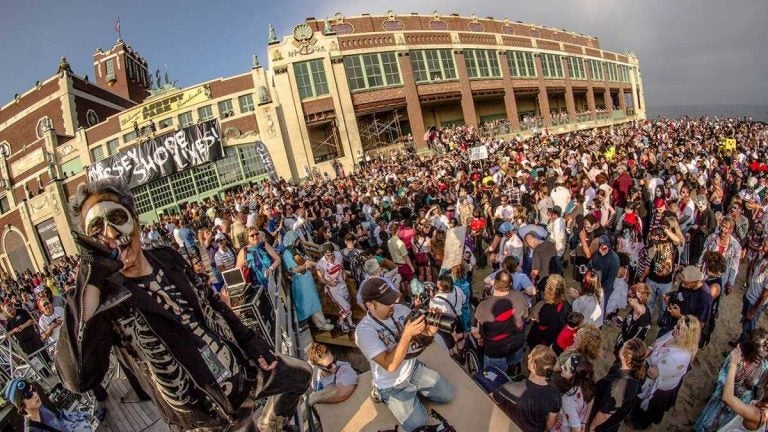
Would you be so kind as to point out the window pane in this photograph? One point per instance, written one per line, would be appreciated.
(185, 119)
(161, 192)
(419, 66)
(205, 177)
(164, 123)
(303, 82)
(493, 63)
(318, 77)
(112, 146)
(253, 164)
(130, 136)
(354, 72)
(229, 167)
(97, 153)
(182, 184)
(225, 108)
(391, 71)
(373, 70)
(205, 113)
(469, 61)
(246, 103)
(482, 63)
(143, 199)
(449, 68)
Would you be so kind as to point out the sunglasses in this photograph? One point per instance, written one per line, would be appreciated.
(253, 235)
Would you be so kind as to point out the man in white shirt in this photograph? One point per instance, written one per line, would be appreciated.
(391, 345)
(330, 270)
(504, 211)
(50, 321)
(557, 231)
(560, 194)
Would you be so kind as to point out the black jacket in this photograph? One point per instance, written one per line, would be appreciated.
(82, 357)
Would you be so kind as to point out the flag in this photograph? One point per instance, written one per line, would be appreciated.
(117, 26)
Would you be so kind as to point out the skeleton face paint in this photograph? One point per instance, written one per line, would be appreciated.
(109, 213)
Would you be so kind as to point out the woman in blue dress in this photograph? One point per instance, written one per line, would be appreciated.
(748, 375)
(303, 289)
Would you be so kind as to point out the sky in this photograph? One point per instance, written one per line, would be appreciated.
(692, 52)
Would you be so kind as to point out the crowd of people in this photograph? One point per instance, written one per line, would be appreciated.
(636, 226)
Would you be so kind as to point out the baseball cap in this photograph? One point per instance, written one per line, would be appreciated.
(378, 289)
(506, 227)
(604, 240)
(692, 274)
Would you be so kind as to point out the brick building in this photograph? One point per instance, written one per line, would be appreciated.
(333, 90)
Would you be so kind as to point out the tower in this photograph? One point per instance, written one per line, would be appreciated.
(123, 71)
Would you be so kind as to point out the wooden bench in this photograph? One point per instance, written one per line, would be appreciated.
(471, 410)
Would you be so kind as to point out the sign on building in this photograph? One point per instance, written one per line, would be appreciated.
(49, 236)
(174, 102)
(161, 156)
(478, 153)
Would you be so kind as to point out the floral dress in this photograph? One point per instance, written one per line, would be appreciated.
(716, 413)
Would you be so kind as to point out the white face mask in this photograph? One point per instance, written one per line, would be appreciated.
(109, 213)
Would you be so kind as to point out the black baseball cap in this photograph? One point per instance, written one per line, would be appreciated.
(380, 290)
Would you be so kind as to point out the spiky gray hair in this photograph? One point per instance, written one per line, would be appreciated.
(111, 185)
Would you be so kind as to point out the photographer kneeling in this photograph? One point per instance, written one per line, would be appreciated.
(390, 339)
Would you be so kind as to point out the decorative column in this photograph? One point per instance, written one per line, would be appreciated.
(622, 102)
(510, 104)
(467, 102)
(415, 117)
(570, 104)
(543, 97)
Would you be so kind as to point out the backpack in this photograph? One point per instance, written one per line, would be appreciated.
(353, 261)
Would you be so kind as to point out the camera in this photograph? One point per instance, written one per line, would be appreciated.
(445, 323)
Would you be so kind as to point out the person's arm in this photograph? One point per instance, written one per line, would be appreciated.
(391, 360)
(19, 329)
(276, 261)
(760, 301)
(332, 394)
(551, 419)
(584, 243)
(599, 419)
(750, 413)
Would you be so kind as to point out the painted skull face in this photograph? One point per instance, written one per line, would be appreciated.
(109, 213)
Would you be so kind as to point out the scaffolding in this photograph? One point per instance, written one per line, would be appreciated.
(327, 148)
(381, 131)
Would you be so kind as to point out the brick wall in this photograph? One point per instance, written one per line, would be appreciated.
(231, 85)
(23, 131)
(29, 99)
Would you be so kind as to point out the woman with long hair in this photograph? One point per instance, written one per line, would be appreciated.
(749, 416)
(421, 251)
(615, 393)
(751, 366)
(589, 301)
(549, 316)
(668, 361)
(579, 374)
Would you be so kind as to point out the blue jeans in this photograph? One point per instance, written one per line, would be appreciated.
(403, 399)
(503, 363)
(658, 290)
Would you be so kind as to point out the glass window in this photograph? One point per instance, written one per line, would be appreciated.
(611, 71)
(372, 70)
(354, 70)
(482, 63)
(551, 66)
(72, 167)
(225, 108)
(432, 65)
(253, 164)
(185, 119)
(229, 167)
(205, 113)
(130, 136)
(246, 103)
(205, 177)
(596, 70)
(5, 206)
(576, 68)
(112, 146)
(391, 69)
(183, 185)
(162, 194)
(310, 78)
(164, 123)
(97, 153)
(521, 64)
(143, 199)
(110, 69)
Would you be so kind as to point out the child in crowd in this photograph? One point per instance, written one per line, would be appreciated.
(567, 334)
(589, 301)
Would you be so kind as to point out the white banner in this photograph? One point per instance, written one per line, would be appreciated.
(479, 152)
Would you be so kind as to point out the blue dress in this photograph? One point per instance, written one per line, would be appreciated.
(303, 289)
(466, 317)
